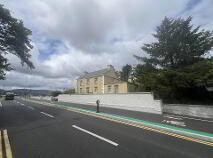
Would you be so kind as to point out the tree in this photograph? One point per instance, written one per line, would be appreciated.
(126, 72)
(178, 44)
(144, 74)
(178, 68)
(14, 39)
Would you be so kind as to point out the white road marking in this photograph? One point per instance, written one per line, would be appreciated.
(191, 118)
(47, 114)
(7, 145)
(173, 117)
(95, 135)
(1, 152)
(30, 107)
(174, 123)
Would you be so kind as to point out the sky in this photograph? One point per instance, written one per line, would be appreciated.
(73, 36)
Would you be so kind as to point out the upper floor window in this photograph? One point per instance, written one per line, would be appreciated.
(81, 83)
(87, 81)
(96, 80)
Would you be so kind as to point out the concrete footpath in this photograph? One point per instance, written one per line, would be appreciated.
(201, 130)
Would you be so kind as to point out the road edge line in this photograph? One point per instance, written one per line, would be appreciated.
(1, 146)
(7, 145)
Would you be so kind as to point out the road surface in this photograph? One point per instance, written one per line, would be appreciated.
(38, 131)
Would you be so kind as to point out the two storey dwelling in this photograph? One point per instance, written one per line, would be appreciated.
(102, 82)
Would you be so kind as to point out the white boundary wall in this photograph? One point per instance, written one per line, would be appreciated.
(189, 110)
(143, 102)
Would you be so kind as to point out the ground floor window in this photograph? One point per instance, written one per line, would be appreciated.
(109, 89)
(87, 90)
(96, 89)
(116, 88)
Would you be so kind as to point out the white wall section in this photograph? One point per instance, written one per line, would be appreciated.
(143, 102)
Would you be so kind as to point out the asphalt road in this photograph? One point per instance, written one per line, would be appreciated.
(187, 122)
(37, 131)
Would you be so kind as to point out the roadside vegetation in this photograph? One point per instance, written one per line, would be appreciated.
(14, 39)
(178, 67)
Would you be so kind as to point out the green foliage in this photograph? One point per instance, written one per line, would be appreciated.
(14, 39)
(126, 72)
(144, 75)
(179, 85)
(177, 68)
(178, 44)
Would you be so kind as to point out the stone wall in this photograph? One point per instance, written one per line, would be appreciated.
(189, 110)
(143, 102)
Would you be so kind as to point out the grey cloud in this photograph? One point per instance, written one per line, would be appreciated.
(94, 33)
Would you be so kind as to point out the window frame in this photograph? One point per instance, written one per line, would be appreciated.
(96, 81)
(109, 88)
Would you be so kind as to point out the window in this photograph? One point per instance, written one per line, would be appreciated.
(87, 89)
(116, 88)
(87, 81)
(81, 82)
(96, 89)
(109, 88)
(96, 80)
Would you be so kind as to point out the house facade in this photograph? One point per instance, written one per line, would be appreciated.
(102, 82)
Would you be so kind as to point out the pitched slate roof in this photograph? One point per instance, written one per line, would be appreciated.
(95, 73)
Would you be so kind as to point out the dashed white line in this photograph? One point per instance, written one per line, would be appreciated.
(47, 114)
(95, 135)
(30, 107)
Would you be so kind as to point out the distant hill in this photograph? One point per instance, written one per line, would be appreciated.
(31, 91)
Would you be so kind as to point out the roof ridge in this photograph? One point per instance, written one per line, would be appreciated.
(95, 73)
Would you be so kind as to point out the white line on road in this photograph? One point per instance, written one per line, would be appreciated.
(174, 122)
(47, 114)
(191, 118)
(95, 135)
(22, 104)
(7, 145)
(1, 153)
(174, 117)
(30, 107)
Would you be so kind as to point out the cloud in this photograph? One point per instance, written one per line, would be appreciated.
(71, 36)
